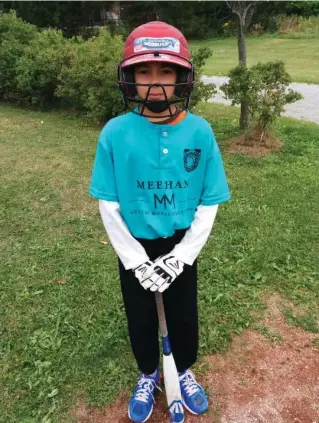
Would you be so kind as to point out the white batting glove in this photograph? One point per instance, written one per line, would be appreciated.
(165, 271)
(143, 272)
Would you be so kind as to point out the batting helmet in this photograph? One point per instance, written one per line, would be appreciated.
(156, 42)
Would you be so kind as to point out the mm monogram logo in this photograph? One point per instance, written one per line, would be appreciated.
(164, 200)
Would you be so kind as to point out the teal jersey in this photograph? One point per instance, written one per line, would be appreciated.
(158, 173)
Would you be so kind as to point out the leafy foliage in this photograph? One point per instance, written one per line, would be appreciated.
(43, 68)
(298, 25)
(201, 91)
(89, 81)
(197, 19)
(64, 15)
(39, 67)
(264, 88)
(14, 36)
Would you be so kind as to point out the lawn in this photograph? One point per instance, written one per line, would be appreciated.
(63, 329)
(301, 55)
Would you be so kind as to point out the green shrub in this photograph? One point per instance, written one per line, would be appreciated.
(298, 25)
(87, 32)
(45, 69)
(201, 91)
(264, 88)
(41, 64)
(89, 81)
(14, 36)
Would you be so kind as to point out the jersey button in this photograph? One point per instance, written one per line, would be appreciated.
(165, 151)
(164, 134)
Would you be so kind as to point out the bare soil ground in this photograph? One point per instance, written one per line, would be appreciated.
(253, 146)
(258, 380)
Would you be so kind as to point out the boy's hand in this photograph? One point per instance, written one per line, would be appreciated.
(143, 272)
(165, 271)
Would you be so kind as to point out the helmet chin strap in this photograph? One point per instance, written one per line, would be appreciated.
(157, 106)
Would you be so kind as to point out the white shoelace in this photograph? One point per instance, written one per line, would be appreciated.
(146, 388)
(189, 383)
(176, 408)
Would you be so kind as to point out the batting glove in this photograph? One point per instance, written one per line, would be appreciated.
(143, 272)
(165, 271)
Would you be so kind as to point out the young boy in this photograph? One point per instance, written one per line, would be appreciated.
(159, 178)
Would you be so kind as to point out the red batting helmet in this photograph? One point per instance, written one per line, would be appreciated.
(156, 42)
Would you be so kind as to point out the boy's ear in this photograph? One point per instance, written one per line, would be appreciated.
(183, 76)
(129, 77)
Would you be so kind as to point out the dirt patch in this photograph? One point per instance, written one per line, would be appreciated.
(257, 381)
(252, 146)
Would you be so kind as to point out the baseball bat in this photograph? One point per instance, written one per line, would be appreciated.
(171, 379)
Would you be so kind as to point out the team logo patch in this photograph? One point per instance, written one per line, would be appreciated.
(168, 44)
(191, 159)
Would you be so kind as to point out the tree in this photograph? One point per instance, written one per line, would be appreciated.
(196, 19)
(265, 89)
(68, 16)
(244, 11)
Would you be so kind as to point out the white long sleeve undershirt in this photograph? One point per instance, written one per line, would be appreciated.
(129, 250)
(132, 253)
(196, 236)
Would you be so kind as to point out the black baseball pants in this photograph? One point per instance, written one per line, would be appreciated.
(180, 303)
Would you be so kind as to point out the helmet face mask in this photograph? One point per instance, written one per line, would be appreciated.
(144, 46)
(181, 97)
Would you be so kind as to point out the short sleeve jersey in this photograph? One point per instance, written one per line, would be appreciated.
(158, 173)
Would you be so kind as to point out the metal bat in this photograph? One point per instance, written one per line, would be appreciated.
(171, 380)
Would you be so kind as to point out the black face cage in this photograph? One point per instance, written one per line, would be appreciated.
(183, 89)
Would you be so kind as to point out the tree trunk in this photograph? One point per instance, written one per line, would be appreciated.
(241, 48)
(244, 111)
(244, 115)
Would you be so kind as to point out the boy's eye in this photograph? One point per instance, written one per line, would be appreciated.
(142, 71)
(167, 71)
(161, 72)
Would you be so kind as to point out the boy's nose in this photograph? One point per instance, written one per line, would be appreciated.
(155, 78)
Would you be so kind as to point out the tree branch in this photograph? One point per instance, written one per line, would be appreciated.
(244, 11)
(253, 3)
(231, 5)
(251, 10)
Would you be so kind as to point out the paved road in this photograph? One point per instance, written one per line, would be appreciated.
(305, 109)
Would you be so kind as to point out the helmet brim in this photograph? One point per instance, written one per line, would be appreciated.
(162, 57)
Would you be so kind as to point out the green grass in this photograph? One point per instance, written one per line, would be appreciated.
(63, 331)
(301, 55)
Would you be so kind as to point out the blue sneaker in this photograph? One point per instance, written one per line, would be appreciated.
(142, 400)
(176, 412)
(193, 395)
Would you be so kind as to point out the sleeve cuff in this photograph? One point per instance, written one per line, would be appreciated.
(102, 196)
(214, 201)
(132, 264)
(182, 256)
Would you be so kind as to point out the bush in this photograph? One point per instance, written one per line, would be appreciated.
(302, 8)
(298, 24)
(14, 36)
(264, 88)
(89, 81)
(41, 64)
(45, 69)
(201, 91)
(269, 14)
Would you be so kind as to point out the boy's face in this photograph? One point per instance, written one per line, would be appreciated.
(155, 73)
